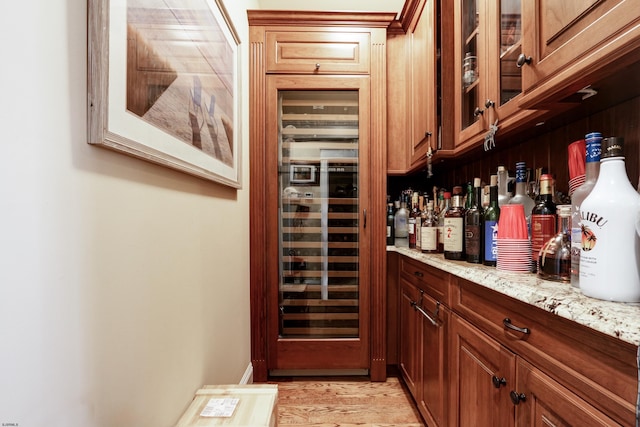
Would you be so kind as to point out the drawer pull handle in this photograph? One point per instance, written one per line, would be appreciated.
(517, 397)
(498, 382)
(418, 274)
(317, 65)
(432, 318)
(507, 323)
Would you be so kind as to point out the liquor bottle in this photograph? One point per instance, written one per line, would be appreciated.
(543, 217)
(610, 254)
(491, 217)
(521, 196)
(391, 235)
(429, 230)
(446, 205)
(454, 227)
(503, 178)
(473, 225)
(419, 212)
(592, 170)
(411, 221)
(554, 259)
(401, 218)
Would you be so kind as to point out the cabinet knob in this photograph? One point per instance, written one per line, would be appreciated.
(317, 65)
(489, 103)
(478, 112)
(523, 59)
(516, 397)
(427, 134)
(498, 382)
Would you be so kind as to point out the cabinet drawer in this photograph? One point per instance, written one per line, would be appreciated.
(318, 52)
(431, 280)
(598, 368)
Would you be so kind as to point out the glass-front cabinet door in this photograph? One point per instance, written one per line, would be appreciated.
(506, 47)
(318, 294)
(471, 68)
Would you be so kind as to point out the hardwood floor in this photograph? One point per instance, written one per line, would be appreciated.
(344, 402)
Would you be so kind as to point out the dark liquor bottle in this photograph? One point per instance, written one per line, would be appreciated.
(391, 235)
(454, 227)
(411, 227)
(491, 217)
(543, 217)
(473, 225)
(554, 259)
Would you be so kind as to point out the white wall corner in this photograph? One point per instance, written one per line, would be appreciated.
(247, 378)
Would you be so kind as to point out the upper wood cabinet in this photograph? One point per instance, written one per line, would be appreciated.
(412, 88)
(569, 45)
(318, 52)
(486, 82)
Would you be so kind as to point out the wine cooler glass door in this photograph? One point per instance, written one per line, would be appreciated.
(319, 214)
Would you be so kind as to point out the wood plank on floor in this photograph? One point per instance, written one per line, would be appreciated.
(344, 402)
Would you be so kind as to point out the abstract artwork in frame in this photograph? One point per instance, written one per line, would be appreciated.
(163, 84)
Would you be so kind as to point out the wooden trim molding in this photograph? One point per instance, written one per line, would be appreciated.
(323, 19)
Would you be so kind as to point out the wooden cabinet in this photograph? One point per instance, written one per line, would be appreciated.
(569, 45)
(539, 400)
(317, 133)
(413, 98)
(482, 371)
(486, 85)
(584, 368)
(424, 325)
(318, 52)
(496, 361)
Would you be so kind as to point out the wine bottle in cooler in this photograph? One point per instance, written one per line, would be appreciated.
(592, 170)
(610, 244)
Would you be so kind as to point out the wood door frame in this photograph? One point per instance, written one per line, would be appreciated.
(377, 178)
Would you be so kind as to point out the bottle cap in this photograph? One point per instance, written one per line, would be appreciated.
(457, 190)
(447, 195)
(476, 182)
(494, 180)
(612, 147)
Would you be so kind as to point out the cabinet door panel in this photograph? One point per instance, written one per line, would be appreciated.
(409, 334)
(434, 361)
(547, 403)
(318, 52)
(476, 360)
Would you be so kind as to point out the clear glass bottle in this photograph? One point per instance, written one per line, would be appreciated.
(454, 227)
(443, 212)
(491, 217)
(401, 219)
(429, 231)
(610, 254)
(473, 225)
(543, 217)
(521, 196)
(554, 259)
(391, 235)
(592, 170)
(503, 178)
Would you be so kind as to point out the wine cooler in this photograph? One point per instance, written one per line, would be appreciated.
(319, 214)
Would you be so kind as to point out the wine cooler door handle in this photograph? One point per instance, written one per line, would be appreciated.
(364, 219)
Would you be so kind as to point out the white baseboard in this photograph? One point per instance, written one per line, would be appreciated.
(247, 378)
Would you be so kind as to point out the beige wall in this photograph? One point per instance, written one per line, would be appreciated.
(124, 286)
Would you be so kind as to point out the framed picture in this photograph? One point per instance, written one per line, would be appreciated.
(163, 84)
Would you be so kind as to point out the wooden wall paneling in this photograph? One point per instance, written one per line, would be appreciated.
(257, 227)
(378, 371)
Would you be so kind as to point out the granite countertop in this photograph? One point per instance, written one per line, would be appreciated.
(620, 320)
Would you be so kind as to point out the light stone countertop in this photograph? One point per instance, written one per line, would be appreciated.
(620, 320)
